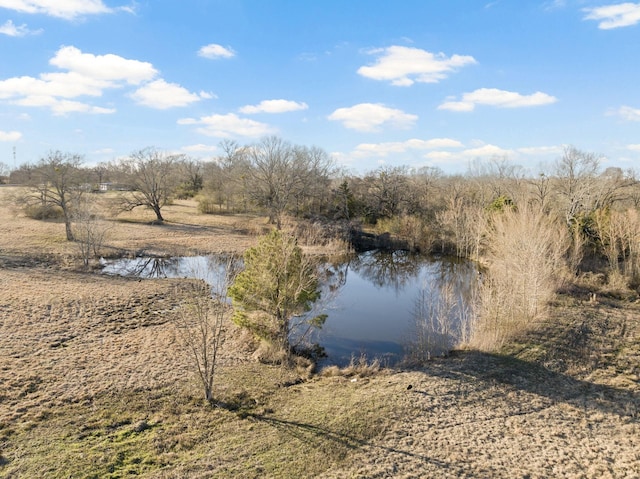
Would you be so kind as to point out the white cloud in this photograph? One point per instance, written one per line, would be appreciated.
(369, 117)
(8, 28)
(388, 148)
(635, 147)
(62, 106)
(67, 9)
(103, 67)
(103, 151)
(162, 95)
(441, 156)
(628, 113)
(486, 151)
(91, 75)
(200, 148)
(10, 136)
(497, 98)
(274, 106)
(215, 51)
(541, 150)
(229, 125)
(460, 159)
(66, 85)
(614, 16)
(555, 5)
(403, 66)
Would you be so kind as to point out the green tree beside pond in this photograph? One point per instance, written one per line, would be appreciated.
(274, 294)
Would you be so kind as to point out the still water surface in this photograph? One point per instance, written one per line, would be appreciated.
(371, 299)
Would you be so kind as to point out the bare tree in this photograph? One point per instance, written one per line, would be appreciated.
(441, 322)
(228, 176)
(272, 176)
(499, 176)
(101, 173)
(57, 181)
(191, 170)
(385, 192)
(153, 177)
(541, 190)
(313, 169)
(423, 191)
(613, 186)
(463, 218)
(202, 321)
(280, 174)
(576, 177)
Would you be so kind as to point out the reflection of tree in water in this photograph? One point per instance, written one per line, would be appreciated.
(332, 276)
(153, 267)
(443, 312)
(223, 266)
(459, 275)
(386, 269)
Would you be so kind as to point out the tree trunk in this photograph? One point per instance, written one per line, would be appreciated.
(159, 217)
(67, 227)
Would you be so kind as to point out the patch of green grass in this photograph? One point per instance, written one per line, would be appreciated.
(261, 427)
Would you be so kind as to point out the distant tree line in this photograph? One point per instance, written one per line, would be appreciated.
(425, 209)
(428, 210)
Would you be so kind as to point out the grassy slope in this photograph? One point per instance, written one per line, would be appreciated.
(93, 384)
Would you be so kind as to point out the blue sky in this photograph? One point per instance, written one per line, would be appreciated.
(375, 83)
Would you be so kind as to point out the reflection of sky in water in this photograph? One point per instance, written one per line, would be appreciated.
(363, 311)
(373, 310)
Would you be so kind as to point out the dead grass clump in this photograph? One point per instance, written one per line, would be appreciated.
(617, 286)
(270, 354)
(359, 366)
(331, 236)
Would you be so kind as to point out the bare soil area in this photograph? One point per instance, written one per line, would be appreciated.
(94, 382)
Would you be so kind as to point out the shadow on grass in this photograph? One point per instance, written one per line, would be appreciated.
(477, 370)
(334, 443)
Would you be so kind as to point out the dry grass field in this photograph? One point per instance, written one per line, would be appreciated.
(94, 383)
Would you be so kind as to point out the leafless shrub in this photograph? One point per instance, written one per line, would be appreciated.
(43, 212)
(202, 321)
(526, 260)
(463, 224)
(618, 233)
(89, 231)
(207, 206)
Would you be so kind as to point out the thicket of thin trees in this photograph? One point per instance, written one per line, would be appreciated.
(528, 228)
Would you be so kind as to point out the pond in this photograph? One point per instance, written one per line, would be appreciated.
(379, 304)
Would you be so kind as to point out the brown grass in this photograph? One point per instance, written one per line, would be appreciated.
(93, 383)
